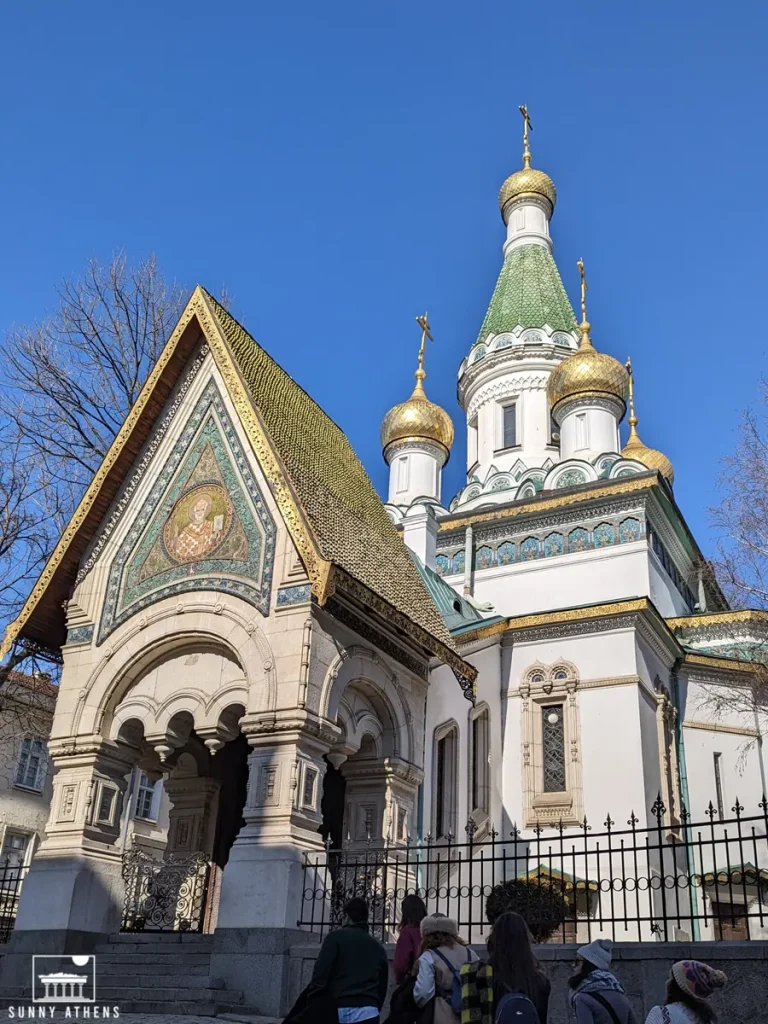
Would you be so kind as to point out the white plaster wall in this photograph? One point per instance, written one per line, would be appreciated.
(527, 224)
(600, 433)
(663, 592)
(563, 581)
(422, 476)
(446, 702)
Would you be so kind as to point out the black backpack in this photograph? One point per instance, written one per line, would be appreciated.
(516, 1008)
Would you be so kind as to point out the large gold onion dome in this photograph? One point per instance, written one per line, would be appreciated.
(528, 181)
(417, 419)
(587, 371)
(635, 449)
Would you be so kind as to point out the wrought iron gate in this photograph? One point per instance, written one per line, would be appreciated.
(164, 896)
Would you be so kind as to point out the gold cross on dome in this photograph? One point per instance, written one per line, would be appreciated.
(426, 332)
(527, 127)
(583, 276)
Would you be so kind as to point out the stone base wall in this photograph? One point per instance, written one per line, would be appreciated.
(642, 968)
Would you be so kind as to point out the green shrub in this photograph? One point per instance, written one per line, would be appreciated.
(541, 905)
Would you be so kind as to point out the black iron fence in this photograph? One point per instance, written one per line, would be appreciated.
(164, 896)
(11, 879)
(668, 879)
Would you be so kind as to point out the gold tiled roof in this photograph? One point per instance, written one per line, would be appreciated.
(345, 513)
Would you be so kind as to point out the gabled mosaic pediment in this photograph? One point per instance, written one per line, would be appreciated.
(203, 526)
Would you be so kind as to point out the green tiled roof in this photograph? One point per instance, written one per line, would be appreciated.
(456, 613)
(528, 293)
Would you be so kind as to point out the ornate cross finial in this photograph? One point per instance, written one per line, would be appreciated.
(632, 418)
(527, 127)
(426, 332)
(583, 276)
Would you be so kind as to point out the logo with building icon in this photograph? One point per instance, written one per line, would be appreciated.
(63, 980)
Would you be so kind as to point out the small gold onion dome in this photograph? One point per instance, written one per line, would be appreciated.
(418, 418)
(587, 372)
(527, 182)
(635, 449)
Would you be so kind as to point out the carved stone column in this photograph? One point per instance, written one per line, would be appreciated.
(263, 880)
(74, 886)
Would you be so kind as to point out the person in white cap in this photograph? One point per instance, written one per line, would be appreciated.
(597, 996)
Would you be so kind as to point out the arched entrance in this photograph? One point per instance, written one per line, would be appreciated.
(182, 717)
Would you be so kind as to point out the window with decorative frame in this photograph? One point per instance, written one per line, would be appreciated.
(553, 789)
(479, 765)
(16, 849)
(147, 798)
(445, 809)
(31, 764)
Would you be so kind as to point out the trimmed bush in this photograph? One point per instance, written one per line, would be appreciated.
(542, 906)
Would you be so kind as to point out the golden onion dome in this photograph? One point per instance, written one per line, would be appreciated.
(635, 449)
(587, 372)
(527, 182)
(417, 419)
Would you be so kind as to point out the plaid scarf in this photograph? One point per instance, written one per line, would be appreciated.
(476, 993)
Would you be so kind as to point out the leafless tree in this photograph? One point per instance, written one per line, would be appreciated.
(73, 377)
(741, 564)
(741, 516)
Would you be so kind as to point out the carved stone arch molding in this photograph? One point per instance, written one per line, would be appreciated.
(138, 645)
(358, 664)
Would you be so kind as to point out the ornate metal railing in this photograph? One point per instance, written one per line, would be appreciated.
(164, 896)
(669, 880)
(11, 879)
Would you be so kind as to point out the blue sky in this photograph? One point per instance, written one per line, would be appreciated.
(336, 166)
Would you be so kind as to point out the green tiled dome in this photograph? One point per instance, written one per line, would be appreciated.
(528, 293)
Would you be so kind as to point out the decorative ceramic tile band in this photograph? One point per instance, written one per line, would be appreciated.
(79, 635)
(294, 595)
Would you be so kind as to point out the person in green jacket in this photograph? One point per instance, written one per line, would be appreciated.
(353, 968)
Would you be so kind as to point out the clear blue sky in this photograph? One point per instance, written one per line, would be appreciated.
(336, 166)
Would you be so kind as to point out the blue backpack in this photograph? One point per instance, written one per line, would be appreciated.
(516, 1008)
(455, 999)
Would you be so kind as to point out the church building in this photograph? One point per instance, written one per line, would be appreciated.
(311, 668)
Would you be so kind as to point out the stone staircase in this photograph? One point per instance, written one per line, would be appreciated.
(167, 973)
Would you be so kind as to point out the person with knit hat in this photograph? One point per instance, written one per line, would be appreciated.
(443, 953)
(597, 996)
(689, 986)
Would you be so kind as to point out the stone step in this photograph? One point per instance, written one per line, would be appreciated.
(106, 980)
(112, 965)
(167, 938)
(166, 993)
(176, 1008)
(161, 960)
(174, 949)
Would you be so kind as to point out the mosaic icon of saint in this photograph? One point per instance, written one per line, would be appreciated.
(197, 525)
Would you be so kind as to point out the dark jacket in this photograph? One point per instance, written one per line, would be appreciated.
(589, 1010)
(353, 967)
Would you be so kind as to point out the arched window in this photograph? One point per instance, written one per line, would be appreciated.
(479, 766)
(445, 778)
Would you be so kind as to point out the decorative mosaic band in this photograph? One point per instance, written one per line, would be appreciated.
(294, 595)
(79, 635)
(509, 552)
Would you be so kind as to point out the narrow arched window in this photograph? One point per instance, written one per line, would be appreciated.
(480, 780)
(446, 773)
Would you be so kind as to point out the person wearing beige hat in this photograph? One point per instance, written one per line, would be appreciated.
(689, 986)
(443, 954)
